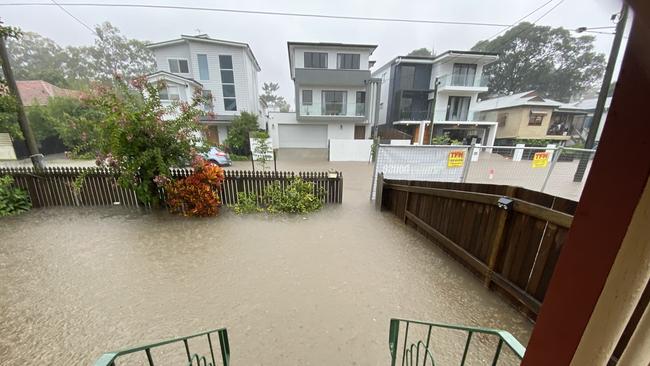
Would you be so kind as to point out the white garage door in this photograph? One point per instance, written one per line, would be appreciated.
(303, 136)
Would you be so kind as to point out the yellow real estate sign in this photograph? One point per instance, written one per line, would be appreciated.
(540, 160)
(456, 159)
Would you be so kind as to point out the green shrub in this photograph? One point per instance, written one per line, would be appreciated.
(297, 197)
(246, 203)
(235, 157)
(13, 200)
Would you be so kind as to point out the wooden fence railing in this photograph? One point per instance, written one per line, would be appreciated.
(512, 245)
(55, 186)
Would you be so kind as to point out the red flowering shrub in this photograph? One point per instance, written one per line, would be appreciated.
(197, 194)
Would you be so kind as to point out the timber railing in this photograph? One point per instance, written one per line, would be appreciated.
(193, 358)
(511, 237)
(59, 186)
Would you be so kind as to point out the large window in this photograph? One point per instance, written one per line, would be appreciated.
(178, 66)
(170, 93)
(463, 75)
(334, 103)
(406, 77)
(208, 106)
(348, 61)
(204, 72)
(307, 97)
(535, 119)
(458, 108)
(361, 103)
(316, 60)
(228, 83)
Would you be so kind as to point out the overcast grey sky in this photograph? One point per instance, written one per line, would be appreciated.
(268, 35)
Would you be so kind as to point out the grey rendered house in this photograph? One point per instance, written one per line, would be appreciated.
(335, 97)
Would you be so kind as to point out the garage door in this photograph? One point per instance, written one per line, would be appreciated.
(303, 136)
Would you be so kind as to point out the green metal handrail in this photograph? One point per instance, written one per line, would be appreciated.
(108, 359)
(414, 349)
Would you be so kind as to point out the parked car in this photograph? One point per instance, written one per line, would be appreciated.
(217, 156)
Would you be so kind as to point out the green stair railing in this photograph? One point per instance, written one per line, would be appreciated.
(193, 359)
(418, 352)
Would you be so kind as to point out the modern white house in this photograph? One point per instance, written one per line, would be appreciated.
(410, 100)
(336, 98)
(225, 71)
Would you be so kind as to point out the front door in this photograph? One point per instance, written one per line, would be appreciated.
(359, 132)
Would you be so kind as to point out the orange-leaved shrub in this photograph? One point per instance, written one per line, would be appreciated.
(197, 194)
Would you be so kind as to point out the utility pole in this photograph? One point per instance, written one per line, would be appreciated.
(433, 107)
(36, 157)
(602, 96)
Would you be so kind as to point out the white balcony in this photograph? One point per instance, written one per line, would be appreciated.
(334, 110)
(463, 82)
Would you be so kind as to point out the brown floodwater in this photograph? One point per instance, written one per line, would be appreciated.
(292, 290)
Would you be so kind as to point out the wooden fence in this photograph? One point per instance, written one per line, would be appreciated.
(514, 248)
(55, 186)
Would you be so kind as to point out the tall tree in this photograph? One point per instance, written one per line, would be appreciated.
(421, 52)
(39, 58)
(273, 100)
(35, 57)
(542, 58)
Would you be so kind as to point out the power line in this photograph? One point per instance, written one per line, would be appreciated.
(525, 30)
(520, 19)
(259, 12)
(75, 18)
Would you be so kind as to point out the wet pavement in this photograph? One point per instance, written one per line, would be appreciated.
(292, 290)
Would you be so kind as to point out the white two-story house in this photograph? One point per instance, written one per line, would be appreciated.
(410, 100)
(335, 98)
(225, 71)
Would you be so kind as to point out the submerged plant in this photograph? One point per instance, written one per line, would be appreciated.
(13, 200)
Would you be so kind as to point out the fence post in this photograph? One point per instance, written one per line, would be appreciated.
(379, 191)
(468, 161)
(556, 155)
(497, 240)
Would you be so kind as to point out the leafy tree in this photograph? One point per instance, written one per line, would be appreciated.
(273, 100)
(114, 53)
(70, 119)
(548, 60)
(421, 52)
(8, 102)
(239, 133)
(139, 136)
(39, 58)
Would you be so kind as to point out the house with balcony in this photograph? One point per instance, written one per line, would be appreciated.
(335, 98)
(527, 116)
(226, 72)
(440, 92)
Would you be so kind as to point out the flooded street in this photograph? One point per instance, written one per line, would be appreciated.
(292, 290)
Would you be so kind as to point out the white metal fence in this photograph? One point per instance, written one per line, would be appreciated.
(546, 169)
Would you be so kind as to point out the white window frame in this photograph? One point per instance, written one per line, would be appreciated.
(207, 65)
(179, 65)
(232, 69)
(169, 94)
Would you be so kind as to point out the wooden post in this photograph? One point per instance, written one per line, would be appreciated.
(495, 245)
(379, 191)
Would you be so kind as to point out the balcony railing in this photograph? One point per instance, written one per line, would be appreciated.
(193, 359)
(413, 115)
(333, 109)
(418, 346)
(463, 80)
